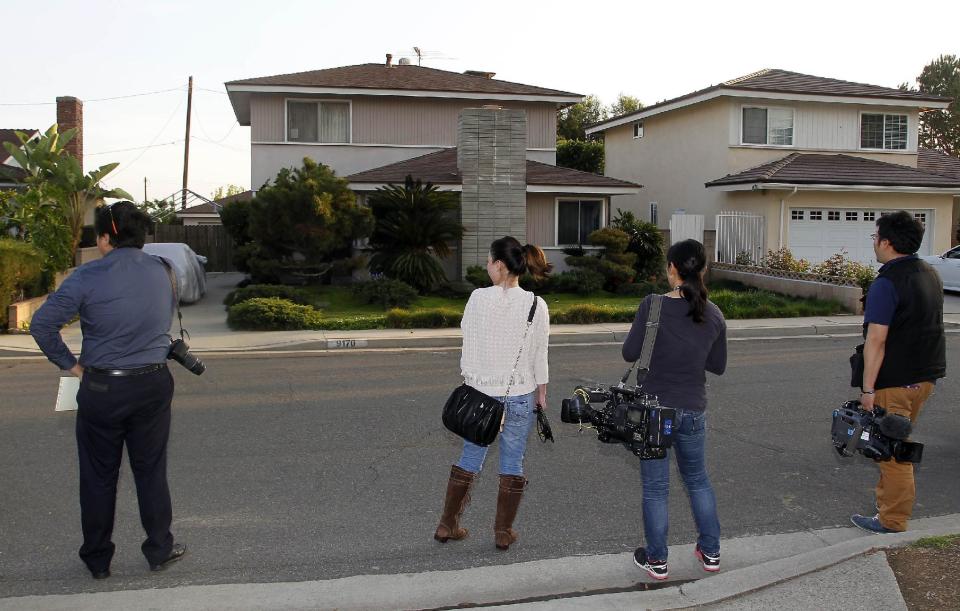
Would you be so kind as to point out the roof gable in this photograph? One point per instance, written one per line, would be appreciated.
(10, 135)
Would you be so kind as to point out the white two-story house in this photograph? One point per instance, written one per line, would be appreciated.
(816, 159)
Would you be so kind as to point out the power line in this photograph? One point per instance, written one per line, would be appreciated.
(211, 90)
(152, 142)
(134, 148)
(118, 97)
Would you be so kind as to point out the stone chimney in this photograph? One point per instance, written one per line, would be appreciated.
(492, 159)
(69, 116)
(389, 59)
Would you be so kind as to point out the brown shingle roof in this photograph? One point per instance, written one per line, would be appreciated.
(774, 80)
(936, 162)
(803, 169)
(440, 168)
(400, 77)
(215, 206)
(10, 135)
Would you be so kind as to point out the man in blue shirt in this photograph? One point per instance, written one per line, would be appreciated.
(125, 302)
(904, 353)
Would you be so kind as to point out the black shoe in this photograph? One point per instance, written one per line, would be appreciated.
(176, 553)
(99, 575)
(711, 562)
(655, 568)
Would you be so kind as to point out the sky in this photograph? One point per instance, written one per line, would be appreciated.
(651, 50)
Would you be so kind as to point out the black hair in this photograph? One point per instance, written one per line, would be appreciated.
(520, 259)
(124, 223)
(904, 232)
(690, 259)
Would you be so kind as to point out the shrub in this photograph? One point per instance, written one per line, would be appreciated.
(583, 155)
(21, 267)
(580, 281)
(477, 276)
(743, 258)
(646, 241)
(254, 291)
(387, 292)
(589, 313)
(613, 274)
(783, 260)
(614, 240)
(433, 318)
(272, 314)
(840, 266)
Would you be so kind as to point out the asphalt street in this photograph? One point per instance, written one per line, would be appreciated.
(304, 467)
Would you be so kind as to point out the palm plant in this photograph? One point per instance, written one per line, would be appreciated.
(415, 224)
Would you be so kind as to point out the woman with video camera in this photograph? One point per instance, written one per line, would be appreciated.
(493, 325)
(691, 340)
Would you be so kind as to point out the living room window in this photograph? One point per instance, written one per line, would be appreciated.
(638, 129)
(577, 218)
(883, 132)
(767, 125)
(318, 121)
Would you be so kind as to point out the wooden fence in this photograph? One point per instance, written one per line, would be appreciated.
(211, 241)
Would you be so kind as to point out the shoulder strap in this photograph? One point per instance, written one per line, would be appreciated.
(176, 293)
(649, 339)
(523, 340)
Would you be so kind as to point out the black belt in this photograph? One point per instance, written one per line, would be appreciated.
(136, 371)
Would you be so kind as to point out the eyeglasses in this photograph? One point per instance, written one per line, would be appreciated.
(113, 222)
(544, 432)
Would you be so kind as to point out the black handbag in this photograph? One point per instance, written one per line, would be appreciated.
(474, 415)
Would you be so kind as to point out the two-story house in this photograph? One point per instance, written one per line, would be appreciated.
(814, 159)
(375, 123)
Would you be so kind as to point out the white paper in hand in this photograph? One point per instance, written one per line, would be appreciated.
(67, 395)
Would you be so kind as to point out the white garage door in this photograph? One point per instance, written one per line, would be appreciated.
(816, 234)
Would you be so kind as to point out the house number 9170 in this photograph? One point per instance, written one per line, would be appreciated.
(346, 343)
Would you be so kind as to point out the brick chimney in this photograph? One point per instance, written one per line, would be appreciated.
(69, 116)
(389, 60)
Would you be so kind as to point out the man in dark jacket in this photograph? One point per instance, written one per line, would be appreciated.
(904, 353)
(125, 304)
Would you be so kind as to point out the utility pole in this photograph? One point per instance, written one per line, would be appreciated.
(145, 189)
(186, 145)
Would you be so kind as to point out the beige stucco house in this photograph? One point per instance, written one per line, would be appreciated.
(376, 123)
(816, 159)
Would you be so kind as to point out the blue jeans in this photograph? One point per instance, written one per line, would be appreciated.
(688, 444)
(512, 439)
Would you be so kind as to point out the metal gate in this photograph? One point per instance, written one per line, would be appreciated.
(740, 235)
(686, 227)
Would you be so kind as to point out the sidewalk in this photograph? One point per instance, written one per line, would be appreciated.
(206, 322)
(836, 568)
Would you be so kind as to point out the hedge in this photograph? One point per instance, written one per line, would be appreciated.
(272, 314)
(21, 268)
(254, 291)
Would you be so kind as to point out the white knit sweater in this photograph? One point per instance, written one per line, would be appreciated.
(493, 324)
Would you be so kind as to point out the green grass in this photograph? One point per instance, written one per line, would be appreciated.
(942, 542)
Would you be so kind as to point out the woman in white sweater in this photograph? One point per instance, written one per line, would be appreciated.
(494, 324)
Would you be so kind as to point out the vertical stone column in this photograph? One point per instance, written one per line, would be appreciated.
(492, 158)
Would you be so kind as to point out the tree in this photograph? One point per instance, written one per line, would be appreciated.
(303, 220)
(572, 120)
(940, 129)
(625, 104)
(226, 191)
(415, 224)
(646, 241)
(583, 155)
(160, 210)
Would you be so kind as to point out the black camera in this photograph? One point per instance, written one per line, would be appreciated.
(628, 416)
(877, 434)
(180, 352)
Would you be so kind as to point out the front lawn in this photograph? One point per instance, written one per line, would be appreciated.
(335, 307)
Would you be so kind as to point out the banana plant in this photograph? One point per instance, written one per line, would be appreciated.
(37, 157)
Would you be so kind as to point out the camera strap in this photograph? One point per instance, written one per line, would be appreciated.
(176, 294)
(649, 339)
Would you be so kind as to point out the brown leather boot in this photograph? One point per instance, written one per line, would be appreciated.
(458, 496)
(508, 501)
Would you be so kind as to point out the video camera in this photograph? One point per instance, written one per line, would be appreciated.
(629, 416)
(877, 434)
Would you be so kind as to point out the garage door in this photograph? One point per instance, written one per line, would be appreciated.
(818, 233)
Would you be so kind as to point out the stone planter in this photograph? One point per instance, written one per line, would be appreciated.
(844, 290)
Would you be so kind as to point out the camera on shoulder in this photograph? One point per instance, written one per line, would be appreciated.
(878, 434)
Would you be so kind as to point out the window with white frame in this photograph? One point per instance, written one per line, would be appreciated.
(638, 129)
(767, 125)
(654, 213)
(883, 132)
(833, 215)
(852, 216)
(870, 216)
(310, 121)
(577, 218)
(922, 217)
(796, 215)
(816, 215)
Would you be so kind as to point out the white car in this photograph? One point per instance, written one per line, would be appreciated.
(948, 266)
(187, 266)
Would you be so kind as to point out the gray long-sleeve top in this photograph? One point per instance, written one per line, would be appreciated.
(684, 351)
(125, 303)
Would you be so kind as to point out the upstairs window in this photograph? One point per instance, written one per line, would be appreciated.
(576, 219)
(638, 129)
(883, 132)
(771, 126)
(327, 122)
